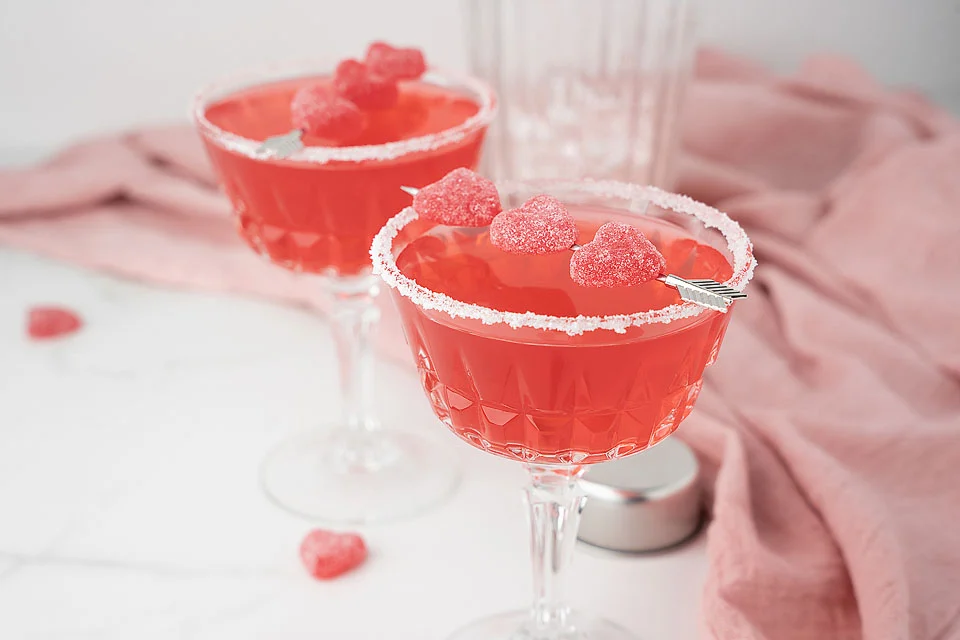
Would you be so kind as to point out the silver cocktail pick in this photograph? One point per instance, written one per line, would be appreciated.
(706, 293)
(282, 146)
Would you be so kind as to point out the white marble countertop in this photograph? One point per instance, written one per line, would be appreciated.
(130, 505)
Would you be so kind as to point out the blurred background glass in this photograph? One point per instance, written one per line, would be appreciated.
(586, 89)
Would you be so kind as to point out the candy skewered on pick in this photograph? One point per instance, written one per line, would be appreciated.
(618, 256)
(334, 112)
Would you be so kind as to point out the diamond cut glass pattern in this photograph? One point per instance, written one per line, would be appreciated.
(520, 361)
(540, 407)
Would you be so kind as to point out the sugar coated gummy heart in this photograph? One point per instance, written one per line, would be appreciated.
(328, 554)
(44, 323)
(618, 256)
(355, 81)
(395, 64)
(461, 198)
(317, 111)
(540, 225)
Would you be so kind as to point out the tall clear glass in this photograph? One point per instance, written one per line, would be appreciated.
(315, 212)
(588, 89)
(558, 393)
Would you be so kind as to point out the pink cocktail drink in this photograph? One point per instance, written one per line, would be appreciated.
(552, 397)
(318, 211)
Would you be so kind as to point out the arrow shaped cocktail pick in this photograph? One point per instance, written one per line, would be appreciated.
(282, 146)
(706, 293)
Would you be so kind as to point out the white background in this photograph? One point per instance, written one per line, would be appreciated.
(69, 68)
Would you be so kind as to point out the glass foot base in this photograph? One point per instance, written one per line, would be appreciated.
(338, 477)
(516, 626)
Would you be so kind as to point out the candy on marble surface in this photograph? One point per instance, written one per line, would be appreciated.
(45, 322)
(329, 554)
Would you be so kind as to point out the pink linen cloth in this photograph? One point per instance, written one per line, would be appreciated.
(829, 427)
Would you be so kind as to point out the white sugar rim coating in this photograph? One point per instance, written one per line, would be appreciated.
(471, 87)
(385, 265)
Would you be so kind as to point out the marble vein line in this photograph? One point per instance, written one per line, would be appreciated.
(172, 570)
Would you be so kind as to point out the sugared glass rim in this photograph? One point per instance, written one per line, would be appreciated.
(361, 153)
(739, 245)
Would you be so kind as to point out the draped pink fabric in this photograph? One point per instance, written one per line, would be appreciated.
(830, 425)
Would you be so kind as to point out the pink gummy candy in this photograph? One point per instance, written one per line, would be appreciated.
(328, 554)
(44, 323)
(354, 81)
(317, 111)
(540, 225)
(618, 256)
(461, 198)
(394, 63)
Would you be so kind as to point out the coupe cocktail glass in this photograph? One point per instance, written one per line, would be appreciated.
(519, 361)
(316, 212)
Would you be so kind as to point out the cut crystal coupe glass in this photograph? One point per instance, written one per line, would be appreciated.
(315, 212)
(520, 362)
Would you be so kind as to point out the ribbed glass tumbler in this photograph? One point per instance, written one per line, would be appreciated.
(587, 88)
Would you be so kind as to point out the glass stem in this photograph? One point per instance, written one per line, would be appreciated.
(353, 315)
(555, 502)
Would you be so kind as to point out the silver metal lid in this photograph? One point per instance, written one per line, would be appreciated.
(645, 502)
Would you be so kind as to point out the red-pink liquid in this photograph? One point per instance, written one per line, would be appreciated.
(544, 395)
(321, 218)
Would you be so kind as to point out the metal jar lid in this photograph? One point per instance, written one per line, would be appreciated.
(644, 502)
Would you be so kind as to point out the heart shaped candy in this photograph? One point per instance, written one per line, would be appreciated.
(618, 256)
(461, 198)
(355, 81)
(394, 63)
(317, 111)
(51, 322)
(540, 225)
(328, 554)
